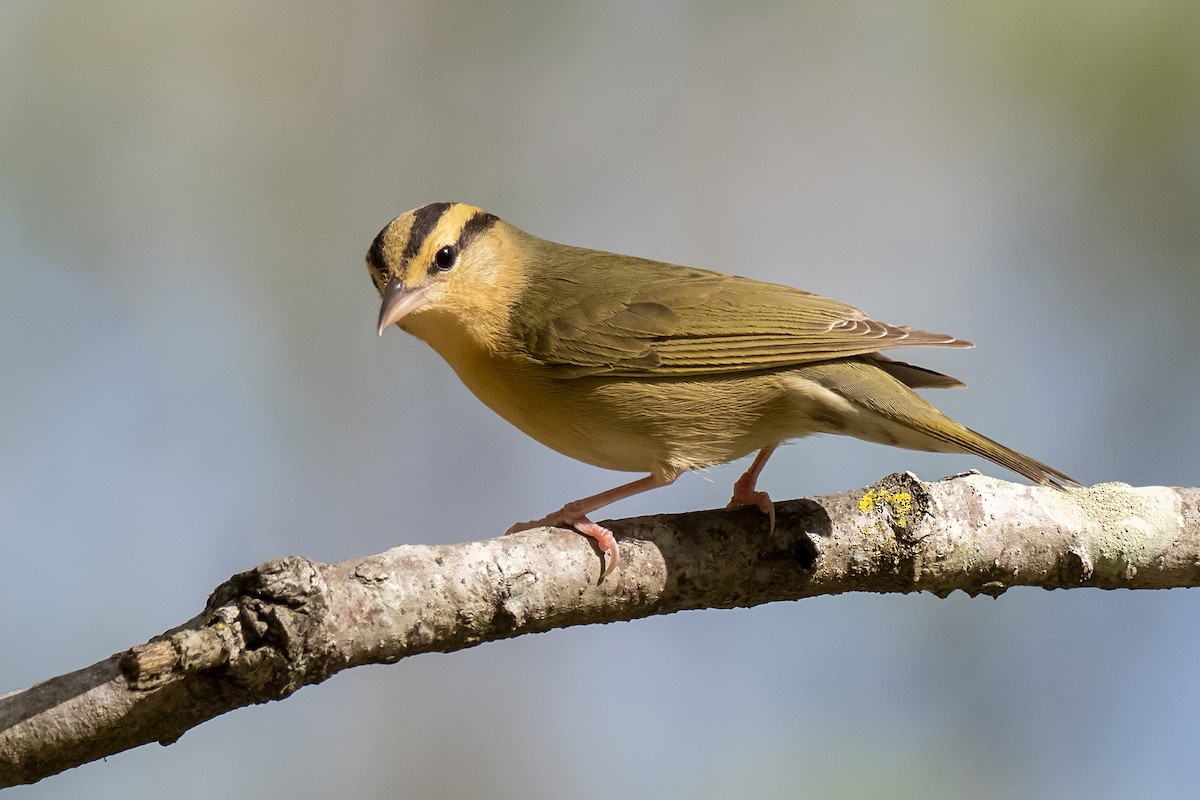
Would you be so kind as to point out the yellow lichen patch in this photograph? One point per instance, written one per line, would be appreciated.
(899, 503)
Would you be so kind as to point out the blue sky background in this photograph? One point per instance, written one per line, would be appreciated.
(192, 383)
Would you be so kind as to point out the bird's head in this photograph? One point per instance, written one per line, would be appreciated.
(446, 264)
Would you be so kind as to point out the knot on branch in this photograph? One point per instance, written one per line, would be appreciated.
(894, 512)
(255, 633)
(902, 501)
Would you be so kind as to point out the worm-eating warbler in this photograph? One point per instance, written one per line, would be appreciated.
(641, 366)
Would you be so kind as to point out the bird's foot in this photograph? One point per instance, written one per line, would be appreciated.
(565, 518)
(746, 496)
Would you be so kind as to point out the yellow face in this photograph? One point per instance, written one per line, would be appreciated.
(446, 265)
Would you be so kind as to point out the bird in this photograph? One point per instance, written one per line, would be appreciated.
(637, 365)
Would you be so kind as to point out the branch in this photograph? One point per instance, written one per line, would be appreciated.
(294, 622)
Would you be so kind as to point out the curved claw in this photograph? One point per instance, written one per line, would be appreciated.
(744, 493)
(760, 500)
(574, 514)
(605, 541)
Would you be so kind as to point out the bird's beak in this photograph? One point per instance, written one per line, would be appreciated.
(398, 300)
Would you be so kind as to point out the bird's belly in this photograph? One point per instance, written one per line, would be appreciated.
(650, 424)
(587, 422)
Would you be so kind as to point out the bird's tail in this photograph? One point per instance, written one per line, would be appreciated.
(906, 419)
(1031, 468)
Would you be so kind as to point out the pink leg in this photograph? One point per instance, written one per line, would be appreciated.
(574, 514)
(744, 493)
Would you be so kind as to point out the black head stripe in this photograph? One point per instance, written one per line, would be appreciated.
(425, 219)
(475, 226)
(375, 254)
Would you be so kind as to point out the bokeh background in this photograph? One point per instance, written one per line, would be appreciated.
(191, 383)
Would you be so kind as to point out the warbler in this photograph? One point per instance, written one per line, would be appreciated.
(642, 366)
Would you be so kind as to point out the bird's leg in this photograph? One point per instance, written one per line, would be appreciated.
(744, 493)
(574, 514)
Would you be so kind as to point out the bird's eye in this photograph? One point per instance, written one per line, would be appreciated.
(444, 259)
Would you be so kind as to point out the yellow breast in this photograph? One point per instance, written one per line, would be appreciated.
(627, 424)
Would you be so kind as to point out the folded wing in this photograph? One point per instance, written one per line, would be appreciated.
(651, 319)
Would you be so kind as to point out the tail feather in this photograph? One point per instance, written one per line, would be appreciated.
(876, 386)
(915, 377)
(1031, 468)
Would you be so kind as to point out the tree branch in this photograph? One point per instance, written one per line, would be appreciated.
(294, 622)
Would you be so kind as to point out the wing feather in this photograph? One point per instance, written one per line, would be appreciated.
(639, 318)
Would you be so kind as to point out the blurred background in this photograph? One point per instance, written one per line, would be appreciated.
(191, 382)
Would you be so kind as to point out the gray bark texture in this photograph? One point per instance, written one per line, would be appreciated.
(294, 622)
